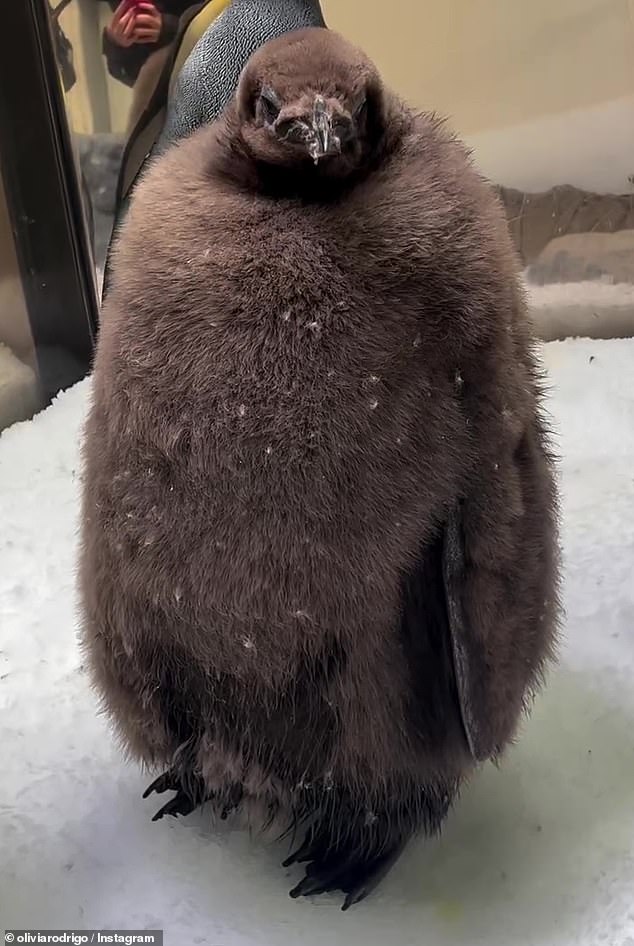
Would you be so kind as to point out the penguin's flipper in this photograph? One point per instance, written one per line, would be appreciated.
(472, 671)
(499, 571)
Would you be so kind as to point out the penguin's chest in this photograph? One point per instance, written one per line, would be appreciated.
(309, 428)
(305, 476)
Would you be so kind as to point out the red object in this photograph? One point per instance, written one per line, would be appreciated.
(131, 4)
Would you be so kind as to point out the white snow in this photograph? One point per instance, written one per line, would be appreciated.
(592, 308)
(539, 852)
(591, 292)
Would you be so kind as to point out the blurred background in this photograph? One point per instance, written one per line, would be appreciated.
(543, 92)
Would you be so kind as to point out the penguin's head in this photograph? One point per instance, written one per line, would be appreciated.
(309, 99)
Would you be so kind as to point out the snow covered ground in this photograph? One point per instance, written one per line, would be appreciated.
(594, 308)
(539, 852)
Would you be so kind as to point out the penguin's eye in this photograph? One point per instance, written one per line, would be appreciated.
(270, 105)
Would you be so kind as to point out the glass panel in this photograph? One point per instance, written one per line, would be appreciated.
(111, 56)
(20, 395)
(48, 311)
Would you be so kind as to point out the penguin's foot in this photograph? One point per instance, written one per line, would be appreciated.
(183, 802)
(331, 870)
(191, 794)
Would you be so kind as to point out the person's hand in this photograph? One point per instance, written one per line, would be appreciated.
(147, 23)
(121, 26)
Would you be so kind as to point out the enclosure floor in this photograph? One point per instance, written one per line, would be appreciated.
(540, 851)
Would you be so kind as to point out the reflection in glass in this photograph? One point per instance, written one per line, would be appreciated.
(20, 395)
(110, 56)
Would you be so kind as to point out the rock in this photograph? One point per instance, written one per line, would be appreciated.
(536, 219)
(582, 256)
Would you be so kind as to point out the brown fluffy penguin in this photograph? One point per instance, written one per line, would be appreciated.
(319, 545)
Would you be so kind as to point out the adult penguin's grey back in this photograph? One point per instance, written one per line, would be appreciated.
(210, 74)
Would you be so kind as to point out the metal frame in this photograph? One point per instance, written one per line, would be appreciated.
(44, 199)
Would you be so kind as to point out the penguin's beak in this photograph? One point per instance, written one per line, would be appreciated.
(323, 140)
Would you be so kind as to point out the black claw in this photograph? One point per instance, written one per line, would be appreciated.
(226, 811)
(190, 794)
(292, 859)
(355, 880)
(370, 878)
(312, 848)
(180, 804)
(356, 896)
(164, 783)
(233, 802)
(301, 854)
(306, 887)
(167, 809)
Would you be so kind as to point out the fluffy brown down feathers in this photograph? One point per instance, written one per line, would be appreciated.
(319, 546)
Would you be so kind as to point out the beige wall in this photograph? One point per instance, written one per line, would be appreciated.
(543, 89)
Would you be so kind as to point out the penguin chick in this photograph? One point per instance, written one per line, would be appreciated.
(319, 568)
